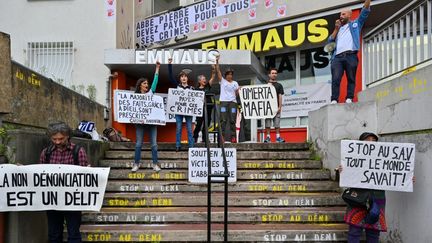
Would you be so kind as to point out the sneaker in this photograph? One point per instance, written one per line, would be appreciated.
(178, 149)
(135, 167)
(280, 140)
(348, 101)
(156, 167)
(267, 140)
(233, 140)
(333, 102)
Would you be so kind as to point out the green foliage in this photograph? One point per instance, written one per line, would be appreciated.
(314, 153)
(91, 92)
(5, 150)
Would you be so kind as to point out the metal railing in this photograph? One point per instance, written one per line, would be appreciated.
(210, 177)
(403, 40)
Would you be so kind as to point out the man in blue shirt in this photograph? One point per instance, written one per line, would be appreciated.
(346, 36)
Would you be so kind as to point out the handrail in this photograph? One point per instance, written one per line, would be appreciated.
(392, 18)
(225, 175)
(402, 41)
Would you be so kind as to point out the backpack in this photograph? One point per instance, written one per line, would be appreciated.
(112, 134)
(75, 152)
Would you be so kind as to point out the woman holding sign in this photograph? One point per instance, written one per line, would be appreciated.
(182, 84)
(205, 86)
(371, 220)
(142, 87)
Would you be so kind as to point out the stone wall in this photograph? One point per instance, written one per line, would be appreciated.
(5, 73)
(20, 226)
(33, 100)
(398, 111)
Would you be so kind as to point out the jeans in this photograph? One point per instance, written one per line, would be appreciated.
(152, 129)
(199, 126)
(354, 235)
(179, 125)
(55, 226)
(344, 63)
(228, 115)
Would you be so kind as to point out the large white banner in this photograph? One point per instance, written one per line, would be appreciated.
(130, 107)
(258, 101)
(177, 23)
(198, 164)
(298, 101)
(185, 102)
(51, 187)
(376, 165)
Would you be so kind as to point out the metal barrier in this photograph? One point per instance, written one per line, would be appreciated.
(210, 177)
(403, 40)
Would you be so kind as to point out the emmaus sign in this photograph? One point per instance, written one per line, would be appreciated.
(295, 35)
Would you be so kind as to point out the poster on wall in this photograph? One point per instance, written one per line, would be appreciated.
(130, 107)
(377, 165)
(258, 101)
(51, 187)
(299, 100)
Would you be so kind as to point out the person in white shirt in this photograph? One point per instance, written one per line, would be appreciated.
(228, 99)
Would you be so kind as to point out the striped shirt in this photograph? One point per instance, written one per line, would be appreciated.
(64, 156)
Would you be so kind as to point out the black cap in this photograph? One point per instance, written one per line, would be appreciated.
(365, 135)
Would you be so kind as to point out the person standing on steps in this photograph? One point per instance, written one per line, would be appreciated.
(346, 36)
(142, 87)
(276, 120)
(181, 84)
(62, 151)
(205, 86)
(228, 98)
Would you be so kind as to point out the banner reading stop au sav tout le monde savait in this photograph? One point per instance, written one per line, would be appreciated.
(377, 165)
(51, 187)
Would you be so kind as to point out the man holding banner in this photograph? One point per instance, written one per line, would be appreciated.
(276, 120)
(62, 151)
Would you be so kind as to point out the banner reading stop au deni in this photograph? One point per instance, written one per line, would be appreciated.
(51, 187)
(377, 165)
(258, 101)
(130, 107)
(185, 102)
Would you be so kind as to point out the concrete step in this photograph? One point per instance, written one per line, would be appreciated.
(250, 155)
(199, 199)
(236, 215)
(239, 146)
(241, 164)
(149, 174)
(239, 186)
(198, 233)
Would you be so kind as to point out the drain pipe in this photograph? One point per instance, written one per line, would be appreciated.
(107, 109)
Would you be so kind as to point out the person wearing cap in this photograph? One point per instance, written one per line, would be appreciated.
(181, 84)
(357, 217)
(346, 36)
(228, 99)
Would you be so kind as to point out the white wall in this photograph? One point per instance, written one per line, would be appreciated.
(81, 21)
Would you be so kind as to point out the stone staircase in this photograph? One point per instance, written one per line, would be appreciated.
(281, 195)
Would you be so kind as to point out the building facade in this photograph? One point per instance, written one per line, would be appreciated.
(63, 40)
(289, 36)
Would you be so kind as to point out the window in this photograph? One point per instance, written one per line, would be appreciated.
(52, 59)
(314, 65)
